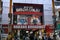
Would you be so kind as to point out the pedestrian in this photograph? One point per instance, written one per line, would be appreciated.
(31, 37)
(49, 38)
(42, 38)
(23, 37)
(12, 38)
(58, 38)
(27, 38)
(9, 36)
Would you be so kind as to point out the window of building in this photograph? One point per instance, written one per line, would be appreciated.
(27, 19)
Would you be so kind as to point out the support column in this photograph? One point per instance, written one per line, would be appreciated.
(10, 16)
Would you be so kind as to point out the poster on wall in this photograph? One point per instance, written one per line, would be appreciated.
(28, 14)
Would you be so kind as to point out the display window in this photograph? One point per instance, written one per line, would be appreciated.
(28, 19)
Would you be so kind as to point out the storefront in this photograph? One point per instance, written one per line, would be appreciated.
(28, 15)
(27, 19)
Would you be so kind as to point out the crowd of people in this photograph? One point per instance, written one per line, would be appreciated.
(32, 36)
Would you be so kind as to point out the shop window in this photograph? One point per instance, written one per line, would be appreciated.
(27, 19)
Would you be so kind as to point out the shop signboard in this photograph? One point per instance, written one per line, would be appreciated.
(27, 14)
(28, 27)
(20, 26)
(25, 8)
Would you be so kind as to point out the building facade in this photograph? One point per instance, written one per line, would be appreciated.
(47, 7)
(42, 11)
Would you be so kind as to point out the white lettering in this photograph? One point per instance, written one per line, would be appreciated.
(23, 26)
(18, 26)
(26, 8)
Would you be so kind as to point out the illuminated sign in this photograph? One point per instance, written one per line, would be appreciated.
(36, 26)
(18, 26)
(29, 26)
(24, 13)
(27, 8)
